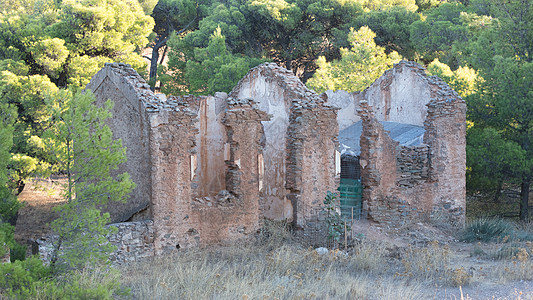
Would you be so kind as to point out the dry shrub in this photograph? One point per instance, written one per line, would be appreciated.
(519, 267)
(432, 264)
(369, 257)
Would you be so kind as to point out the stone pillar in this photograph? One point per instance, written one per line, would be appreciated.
(172, 140)
(245, 167)
(446, 136)
(311, 173)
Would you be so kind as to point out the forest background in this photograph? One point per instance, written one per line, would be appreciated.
(49, 50)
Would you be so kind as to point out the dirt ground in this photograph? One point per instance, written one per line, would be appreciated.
(39, 196)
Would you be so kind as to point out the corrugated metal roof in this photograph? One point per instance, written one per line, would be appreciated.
(405, 134)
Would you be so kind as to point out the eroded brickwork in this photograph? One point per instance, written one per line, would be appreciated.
(172, 142)
(311, 169)
(300, 141)
(404, 184)
(210, 168)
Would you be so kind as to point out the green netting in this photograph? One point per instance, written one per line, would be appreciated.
(350, 191)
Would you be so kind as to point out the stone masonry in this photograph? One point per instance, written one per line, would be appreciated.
(405, 184)
(210, 168)
(300, 143)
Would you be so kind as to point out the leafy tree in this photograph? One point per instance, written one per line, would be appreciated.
(291, 33)
(47, 45)
(377, 5)
(211, 69)
(83, 144)
(492, 160)
(391, 27)
(427, 4)
(358, 67)
(8, 203)
(170, 16)
(440, 34)
(504, 101)
(463, 80)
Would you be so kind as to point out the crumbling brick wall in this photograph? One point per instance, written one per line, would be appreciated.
(234, 213)
(404, 184)
(172, 140)
(311, 169)
(300, 142)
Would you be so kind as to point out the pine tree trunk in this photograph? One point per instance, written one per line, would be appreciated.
(524, 200)
(153, 66)
(498, 192)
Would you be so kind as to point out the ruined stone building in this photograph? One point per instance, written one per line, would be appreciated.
(211, 168)
(407, 134)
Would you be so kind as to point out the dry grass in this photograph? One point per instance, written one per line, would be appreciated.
(279, 268)
(253, 273)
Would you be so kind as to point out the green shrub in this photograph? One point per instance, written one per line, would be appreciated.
(488, 229)
(17, 251)
(30, 279)
(9, 206)
(18, 279)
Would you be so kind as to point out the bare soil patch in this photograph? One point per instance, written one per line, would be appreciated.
(39, 196)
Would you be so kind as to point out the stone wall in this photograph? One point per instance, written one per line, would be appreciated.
(134, 241)
(132, 98)
(311, 164)
(300, 142)
(404, 184)
(172, 143)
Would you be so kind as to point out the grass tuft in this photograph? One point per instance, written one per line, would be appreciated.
(488, 229)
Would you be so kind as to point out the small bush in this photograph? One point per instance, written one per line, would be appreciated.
(511, 251)
(17, 251)
(30, 279)
(18, 279)
(274, 234)
(477, 251)
(488, 229)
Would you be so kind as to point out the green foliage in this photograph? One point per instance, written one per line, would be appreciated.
(20, 168)
(336, 225)
(504, 101)
(492, 159)
(440, 34)
(212, 69)
(30, 279)
(427, 4)
(488, 229)
(9, 206)
(387, 4)
(7, 118)
(8, 243)
(391, 27)
(83, 145)
(47, 45)
(291, 33)
(358, 67)
(19, 278)
(463, 80)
